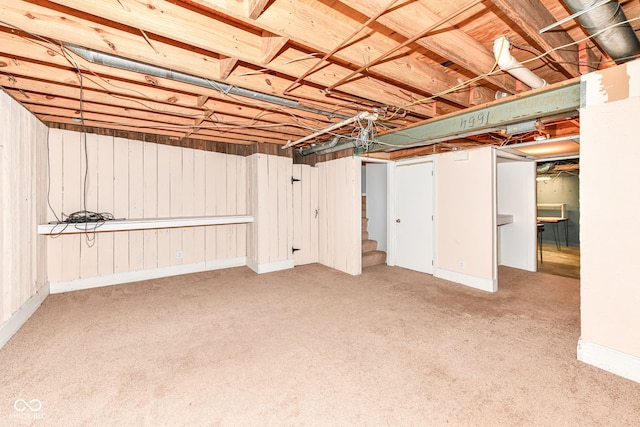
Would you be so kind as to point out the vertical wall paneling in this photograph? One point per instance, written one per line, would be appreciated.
(210, 204)
(187, 205)
(88, 247)
(104, 241)
(176, 203)
(23, 187)
(269, 200)
(150, 204)
(315, 209)
(136, 179)
(54, 245)
(231, 204)
(164, 203)
(262, 209)
(274, 251)
(71, 201)
(40, 190)
(121, 202)
(283, 207)
(136, 203)
(199, 204)
(305, 221)
(323, 240)
(241, 205)
(298, 207)
(340, 212)
(222, 249)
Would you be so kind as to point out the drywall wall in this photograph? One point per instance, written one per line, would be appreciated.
(516, 196)
(465, 218)
(609, 225)
(562, 188)
(270, 201)
(23, 287)
(135, 179)
(340, 214)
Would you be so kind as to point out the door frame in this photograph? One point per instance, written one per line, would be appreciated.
(392, 210)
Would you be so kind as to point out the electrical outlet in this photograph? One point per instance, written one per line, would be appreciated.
(179, 255)
(461, 264)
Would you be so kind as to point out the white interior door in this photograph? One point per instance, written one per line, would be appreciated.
(413, 222)
(305, 214)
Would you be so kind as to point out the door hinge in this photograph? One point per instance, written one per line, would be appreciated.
(293, 250)
(295, 180)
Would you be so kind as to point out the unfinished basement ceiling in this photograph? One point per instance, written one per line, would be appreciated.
(277, 71)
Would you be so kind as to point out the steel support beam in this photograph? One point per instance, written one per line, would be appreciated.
(551, 100)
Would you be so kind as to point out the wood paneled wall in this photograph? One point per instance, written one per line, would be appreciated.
(269, 200)
(23, 183)
(136, 179)
(340, 214)
(305, 214)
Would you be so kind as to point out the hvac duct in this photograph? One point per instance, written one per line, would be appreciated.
(152, 70)
(511, 65)
(607, 23)
(330, 146)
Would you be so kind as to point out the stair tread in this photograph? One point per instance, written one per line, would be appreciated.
(372, 258)
(369, 245)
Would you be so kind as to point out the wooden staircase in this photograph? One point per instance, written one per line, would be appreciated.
(370, 254)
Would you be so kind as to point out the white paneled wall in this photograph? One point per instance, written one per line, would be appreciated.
(340, 214)
(270, 201)
(23, 183)
(135, 179)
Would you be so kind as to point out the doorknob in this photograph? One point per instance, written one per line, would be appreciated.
(398, 220)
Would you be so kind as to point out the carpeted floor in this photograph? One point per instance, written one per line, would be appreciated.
(311, 346)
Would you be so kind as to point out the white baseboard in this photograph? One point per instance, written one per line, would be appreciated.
(269, 266)
(614, 361)
(136, 276)
(482, 283)
(17, 319)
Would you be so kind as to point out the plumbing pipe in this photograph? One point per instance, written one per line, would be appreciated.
(511, 65)
(360, 116)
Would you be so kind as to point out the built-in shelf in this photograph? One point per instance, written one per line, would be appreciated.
(142, 224)
(504, 219)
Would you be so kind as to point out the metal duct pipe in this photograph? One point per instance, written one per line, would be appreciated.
(140, 67)
(511, 65)
(620, 42)
(330, 147)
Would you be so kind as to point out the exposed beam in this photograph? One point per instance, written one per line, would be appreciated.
(256, 7)
(548, 101)
(98, 36)
(306, 23)
(201, 31)
(448, 42)
(271, 46)
(226, 67)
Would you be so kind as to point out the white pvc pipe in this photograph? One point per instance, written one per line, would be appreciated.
(511, 65)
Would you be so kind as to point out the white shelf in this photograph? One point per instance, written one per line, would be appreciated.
(142, 224)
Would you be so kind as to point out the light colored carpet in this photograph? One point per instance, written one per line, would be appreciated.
(311, 346)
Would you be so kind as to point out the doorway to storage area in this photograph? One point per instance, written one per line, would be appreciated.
(558, 206)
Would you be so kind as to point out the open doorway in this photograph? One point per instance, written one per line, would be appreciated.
(558, 204)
